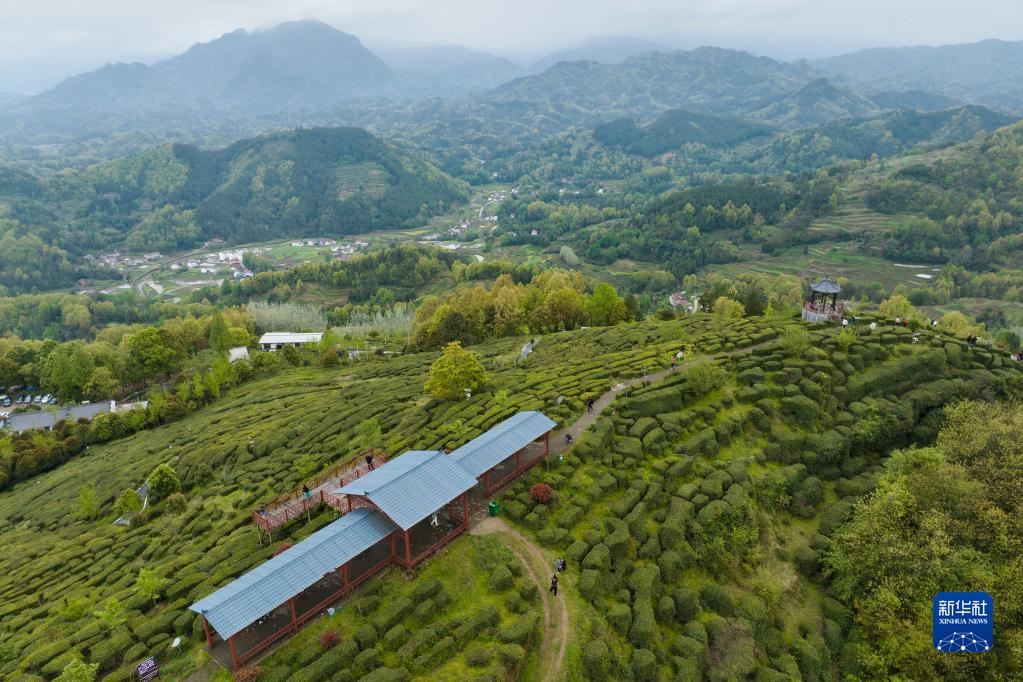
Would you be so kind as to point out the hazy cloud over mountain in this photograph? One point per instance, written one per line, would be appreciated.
(42, 41)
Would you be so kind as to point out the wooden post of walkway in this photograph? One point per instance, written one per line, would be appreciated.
(486, 482)
(294, 614)
(547, 443)
(344, 575)
(465, 508)
(408, 551)
(234, 655)
(206, 629)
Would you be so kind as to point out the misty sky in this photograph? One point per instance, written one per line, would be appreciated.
(42, 41)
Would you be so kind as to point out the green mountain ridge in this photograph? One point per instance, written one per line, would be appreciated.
(706, 79)
(305, 182)
(815, 103)
(740, 144)
(987, 72)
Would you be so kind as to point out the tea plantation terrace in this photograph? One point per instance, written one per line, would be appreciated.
(399, 513)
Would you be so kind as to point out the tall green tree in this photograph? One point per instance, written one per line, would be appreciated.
(149, 353)
(87, 505)
(163, 482)
(220, 338)
(605, 306)
(454, 372)
(67, 370)
(101, 385)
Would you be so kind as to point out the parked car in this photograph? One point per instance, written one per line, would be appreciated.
(38, 399)
(53, 400)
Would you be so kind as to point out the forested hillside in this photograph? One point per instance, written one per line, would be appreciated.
(988, 71)
(706, 79)
(968, 202)
(306, 182)
(717, 141)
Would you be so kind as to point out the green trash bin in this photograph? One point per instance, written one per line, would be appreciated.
(494, 507)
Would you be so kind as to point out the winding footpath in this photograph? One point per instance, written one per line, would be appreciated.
(554, 642)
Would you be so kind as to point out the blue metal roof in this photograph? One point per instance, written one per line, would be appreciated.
(494, 446)
(243, 601)
(411, 487)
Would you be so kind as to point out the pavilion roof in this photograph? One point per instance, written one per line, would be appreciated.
(826, 286)
(244, 600)
(497, 444)
(412, 486)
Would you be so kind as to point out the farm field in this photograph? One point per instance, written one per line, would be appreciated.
(836, 259)
(159, 279)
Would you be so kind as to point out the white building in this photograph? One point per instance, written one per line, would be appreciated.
(278, 340)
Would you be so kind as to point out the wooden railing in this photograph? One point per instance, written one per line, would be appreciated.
(455, 532)
(824, 310)
(309, 614)
(521, 469)
(290, 505)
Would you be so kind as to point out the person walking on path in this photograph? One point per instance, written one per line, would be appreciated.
(554, 584)
(589, 404)
(305, 491)
(568, 439)
(369, 462)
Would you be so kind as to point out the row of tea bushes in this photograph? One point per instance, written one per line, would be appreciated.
(240, 450)
(697, 518)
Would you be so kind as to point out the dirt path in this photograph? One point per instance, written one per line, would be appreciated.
(558, 443)
(555, 611)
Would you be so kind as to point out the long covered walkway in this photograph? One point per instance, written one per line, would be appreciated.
(400, 512)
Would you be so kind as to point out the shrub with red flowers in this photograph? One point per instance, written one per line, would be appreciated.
(541, 492)
(329, 640)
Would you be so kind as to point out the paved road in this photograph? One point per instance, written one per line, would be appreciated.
(51, 414)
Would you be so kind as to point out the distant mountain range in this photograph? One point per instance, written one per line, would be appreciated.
(988, 72)
(815, 103)
(707, 79)
(738, 145)
(299, 64)
(308, 73)
(602, 49)
(451, 68)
